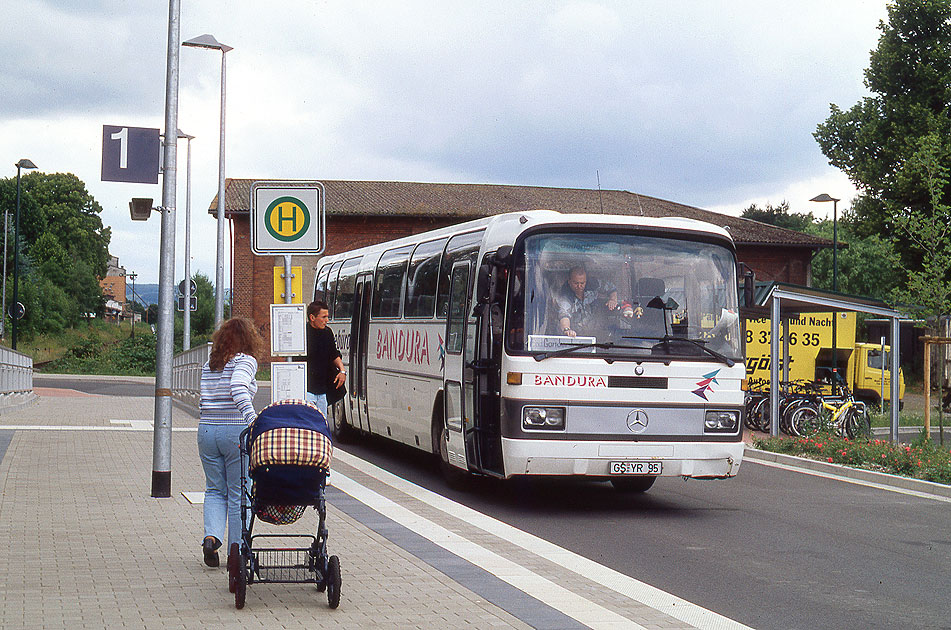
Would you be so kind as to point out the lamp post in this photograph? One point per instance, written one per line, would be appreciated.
(187, 311)
(24, 163)
(133, 275)
(835, 277)
(208, 41)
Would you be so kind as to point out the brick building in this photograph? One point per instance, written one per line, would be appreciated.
(113, 289)
(365, 212)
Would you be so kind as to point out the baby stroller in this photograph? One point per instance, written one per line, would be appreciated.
(289, 451)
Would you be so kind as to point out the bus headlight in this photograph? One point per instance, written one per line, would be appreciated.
(721, 421)
(543, 418)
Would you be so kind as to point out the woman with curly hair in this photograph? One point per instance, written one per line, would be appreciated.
(227, 389)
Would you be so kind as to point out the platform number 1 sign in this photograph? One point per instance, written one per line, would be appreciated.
(130, 154)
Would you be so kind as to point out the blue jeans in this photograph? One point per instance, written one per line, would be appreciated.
(320, 400)
(222, 461)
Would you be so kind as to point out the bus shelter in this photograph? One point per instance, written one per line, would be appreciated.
(781, 301)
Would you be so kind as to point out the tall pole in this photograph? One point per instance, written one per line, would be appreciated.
(3, 308)
(24, 163)
(162, 432)
(220, 267)
(16, 262)
(824, 197)
(133, 275)
(208, 41)
(835, 287)
(187, 311)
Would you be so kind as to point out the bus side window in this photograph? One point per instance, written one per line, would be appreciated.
(460, 247)
(388, 283)
(332, 286)
(422, 279)
(320, 286)
(343, 301)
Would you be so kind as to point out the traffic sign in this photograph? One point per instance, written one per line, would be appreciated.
(192, 286)
(130, 154)
(17, 310)
(192, 303)
(287, 217)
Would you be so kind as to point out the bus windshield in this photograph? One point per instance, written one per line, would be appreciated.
(623, 295)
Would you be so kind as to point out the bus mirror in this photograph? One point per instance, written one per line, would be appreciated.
(749, 283)
(483, 281)
(503, 257)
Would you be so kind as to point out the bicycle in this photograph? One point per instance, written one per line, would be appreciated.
(844, 414)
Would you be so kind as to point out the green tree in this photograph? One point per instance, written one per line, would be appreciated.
(928, 226)
(909, 75)
(867, 265)
(67, 210)
(780, 216)
(203, 319)
(63, 248)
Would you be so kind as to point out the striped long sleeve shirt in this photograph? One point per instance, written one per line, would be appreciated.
(226, 395)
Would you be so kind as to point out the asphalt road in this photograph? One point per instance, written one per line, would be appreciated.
(771, 548)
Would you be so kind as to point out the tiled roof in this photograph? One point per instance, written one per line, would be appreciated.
(470, 201)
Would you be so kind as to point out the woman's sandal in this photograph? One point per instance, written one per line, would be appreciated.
(210, 549)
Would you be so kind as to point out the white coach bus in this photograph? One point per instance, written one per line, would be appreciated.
(460, 341)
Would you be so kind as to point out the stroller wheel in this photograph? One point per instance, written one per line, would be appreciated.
(240, 583)
(333, 581)
(234, 561)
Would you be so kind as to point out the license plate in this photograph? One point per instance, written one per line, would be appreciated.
(636, 468)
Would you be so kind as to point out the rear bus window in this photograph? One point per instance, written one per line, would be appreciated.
(343, 301)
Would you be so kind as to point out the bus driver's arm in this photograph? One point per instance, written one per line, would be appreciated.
(565, 325)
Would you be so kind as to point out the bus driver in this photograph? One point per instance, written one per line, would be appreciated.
(579, 301)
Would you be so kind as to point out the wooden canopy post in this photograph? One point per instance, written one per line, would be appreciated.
(932, 341)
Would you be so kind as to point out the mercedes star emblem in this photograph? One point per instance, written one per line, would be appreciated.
(637, 421)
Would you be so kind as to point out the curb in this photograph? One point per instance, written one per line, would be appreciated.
(93, 377)
(885, 479)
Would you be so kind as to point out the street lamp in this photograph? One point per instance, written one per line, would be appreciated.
(24, 163)
(835, 277)
(187, 310)
(208, 41)
(133, 275)
(835, 237)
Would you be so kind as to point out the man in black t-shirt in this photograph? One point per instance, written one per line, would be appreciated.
(322, 356)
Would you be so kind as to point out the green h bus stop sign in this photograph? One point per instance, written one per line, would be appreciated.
(287, 217)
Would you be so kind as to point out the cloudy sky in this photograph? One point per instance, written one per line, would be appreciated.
(710, 103)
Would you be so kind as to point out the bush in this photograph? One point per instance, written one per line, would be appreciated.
(135, 355)
(923, 459)
(129, 357)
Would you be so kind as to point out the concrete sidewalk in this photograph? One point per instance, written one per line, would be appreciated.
(86, 546)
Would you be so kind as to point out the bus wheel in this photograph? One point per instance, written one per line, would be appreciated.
(455, 477)
(633, 484)
(342, 431)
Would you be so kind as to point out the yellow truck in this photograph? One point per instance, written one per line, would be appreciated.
(810, 355)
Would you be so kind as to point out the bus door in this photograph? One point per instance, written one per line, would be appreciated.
(455, 408)
(482, 373)
(359, 331)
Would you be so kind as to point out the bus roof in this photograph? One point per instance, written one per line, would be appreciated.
(499, 228)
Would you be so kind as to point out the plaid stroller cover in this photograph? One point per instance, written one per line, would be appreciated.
(290, 452)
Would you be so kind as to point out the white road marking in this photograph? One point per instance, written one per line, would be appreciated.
(655, 598)
(195, 498)
(858, 482)
(140, 425)
(558, 597)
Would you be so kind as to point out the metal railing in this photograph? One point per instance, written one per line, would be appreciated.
(186, 373)
(16, 378)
